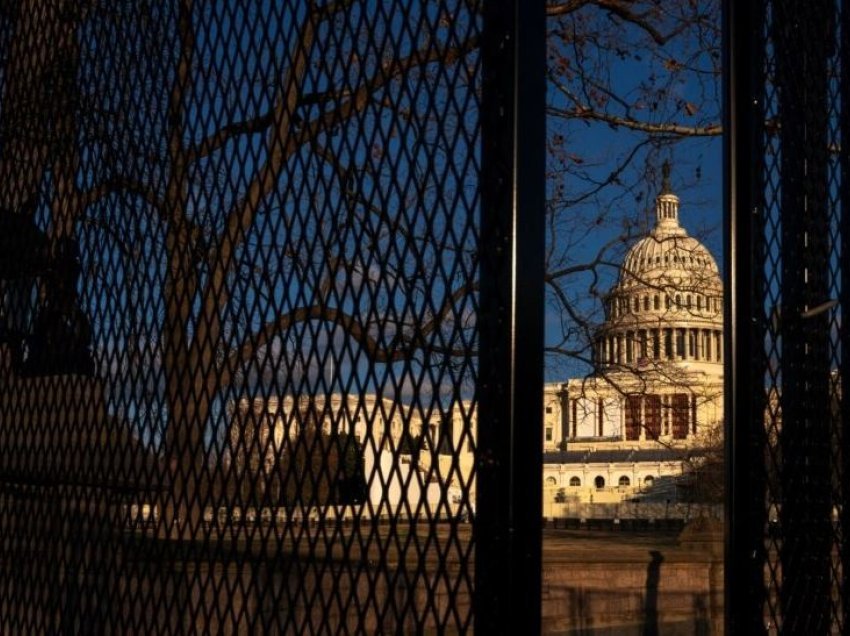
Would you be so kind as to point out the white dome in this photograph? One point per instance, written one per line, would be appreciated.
(667, 256)
(667, 302)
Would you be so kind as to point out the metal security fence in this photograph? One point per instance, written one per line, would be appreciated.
(258, 316)
(788, 94)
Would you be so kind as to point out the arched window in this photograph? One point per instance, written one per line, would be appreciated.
(575, 482)
(678, 301)
(656, 303)
(667, 302)
(637, 304)
(688, 301)
(699, 303)
(599, 482)
(648, 481)
(551, 481)
(624, 482)
(646, 303)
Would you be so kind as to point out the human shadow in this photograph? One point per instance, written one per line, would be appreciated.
(702, 624)
(650, 607)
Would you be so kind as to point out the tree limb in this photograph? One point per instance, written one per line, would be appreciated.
(401, 348)
(583, 112)
(216, 141)
(564, 8)
(621, 9)
(282, 144)
(123, 185)
(391, 70)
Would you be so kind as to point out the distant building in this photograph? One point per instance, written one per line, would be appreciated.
(655, 397)
(409, 457)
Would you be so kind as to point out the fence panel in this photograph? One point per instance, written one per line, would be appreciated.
(788, 183)
(240, 307)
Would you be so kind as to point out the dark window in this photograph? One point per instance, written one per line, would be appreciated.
(575, 482)
(681, 415)
(652, 406)
(633, 417)
(599, 413)
(624, 482)
(599, 482)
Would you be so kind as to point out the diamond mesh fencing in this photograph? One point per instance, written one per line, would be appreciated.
(238, 315)
(797, 424)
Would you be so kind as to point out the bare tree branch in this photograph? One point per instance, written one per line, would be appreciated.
(620, 8)
(216, 141)
(662, 128)
(123, 185)
(282, 144)
(391, 70)
(402, 347)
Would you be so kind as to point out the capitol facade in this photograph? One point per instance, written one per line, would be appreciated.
(653, 403)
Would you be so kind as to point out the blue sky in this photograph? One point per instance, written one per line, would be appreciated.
(616, 70)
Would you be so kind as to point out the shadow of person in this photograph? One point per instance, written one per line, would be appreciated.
(650, 607)
(702, 627)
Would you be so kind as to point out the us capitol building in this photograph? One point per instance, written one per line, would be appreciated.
(655, 397)
(652, 403)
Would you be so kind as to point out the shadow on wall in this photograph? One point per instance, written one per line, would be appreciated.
(644, 597)
(653, 574)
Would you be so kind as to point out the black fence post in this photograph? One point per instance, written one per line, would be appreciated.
(844, 303)
(746, 495)
(509, 462)
(784, 102)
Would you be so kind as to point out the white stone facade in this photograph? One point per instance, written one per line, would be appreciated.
(656, 390)
(384, 428)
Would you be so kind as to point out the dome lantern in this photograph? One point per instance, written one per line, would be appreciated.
(666, 204)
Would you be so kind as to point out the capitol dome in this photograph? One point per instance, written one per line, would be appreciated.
(666, 307)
